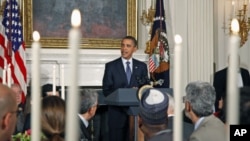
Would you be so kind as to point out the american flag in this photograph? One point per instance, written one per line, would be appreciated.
(12, 48)
(153, 63)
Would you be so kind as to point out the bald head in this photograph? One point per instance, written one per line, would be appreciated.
(8, 108)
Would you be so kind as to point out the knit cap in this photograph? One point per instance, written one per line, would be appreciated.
(153, 107)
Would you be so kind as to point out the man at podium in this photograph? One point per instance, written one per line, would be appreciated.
(123, 72)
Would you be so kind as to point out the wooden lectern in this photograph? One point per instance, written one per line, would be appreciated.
(128, 97)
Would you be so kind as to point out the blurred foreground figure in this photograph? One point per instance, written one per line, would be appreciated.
(8, 111)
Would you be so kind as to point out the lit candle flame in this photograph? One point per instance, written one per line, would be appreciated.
(36, 36)
(177, 39)
(76, 18)
(235, 26)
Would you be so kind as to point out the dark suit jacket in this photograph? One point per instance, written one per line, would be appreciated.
(220, 82)
(210, 129)
(84, 133)
(188, 128)
(114, 78)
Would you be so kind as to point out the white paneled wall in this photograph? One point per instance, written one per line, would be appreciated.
(200, 40)
(91, 66)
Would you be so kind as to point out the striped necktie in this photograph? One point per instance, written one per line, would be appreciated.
(128, 71)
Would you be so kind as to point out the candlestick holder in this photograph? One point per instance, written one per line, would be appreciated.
(244, 23)
(147, 18)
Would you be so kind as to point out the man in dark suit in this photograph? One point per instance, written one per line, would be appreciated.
(88, 106)
(124, 72)
(220, 82)
(188, 128)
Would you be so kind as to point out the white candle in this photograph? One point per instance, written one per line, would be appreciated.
(233, 11)
(73, 100)
(62, 82)
(9, 75)
(36, 90)
(153, 4)
(54, 80)
(177, 89)
(142, 3)
(4, 75)
(232, 87)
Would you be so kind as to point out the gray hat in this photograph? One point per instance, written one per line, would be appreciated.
(153, 107)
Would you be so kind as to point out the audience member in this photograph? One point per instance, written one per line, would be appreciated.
(220, 82)
(53, 118)
(153, 115)
(8, 111)
(88, 106)
(245, 105)
(47, 90)
(27, 110)
(20, 115)
(124, 72)
(188, 128)
(199, 103)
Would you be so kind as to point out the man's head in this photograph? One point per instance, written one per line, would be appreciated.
(200, 99)
(88, 103)
(153, 107)
(128, 47)
(47, 90)
(152, 111)
(18, 91)
(8, 111)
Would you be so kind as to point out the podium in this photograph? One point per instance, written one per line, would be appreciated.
(128, 97)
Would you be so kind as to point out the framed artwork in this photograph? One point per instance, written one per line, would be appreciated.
(103, 22)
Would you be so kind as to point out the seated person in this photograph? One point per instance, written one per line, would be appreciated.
(199, 102)
(47, 90)
(188, 128)
(53, 118)
(20, 115)
(88, 106)
(153, 115)
(8, 111)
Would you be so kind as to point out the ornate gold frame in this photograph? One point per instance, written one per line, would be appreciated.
(93, 43)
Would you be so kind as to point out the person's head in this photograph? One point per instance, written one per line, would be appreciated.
(18, 91)
(88, 103)
(47, 90)
(8, 111)
(199, 100)
(53, 118)
(152, 111)
(128, 47)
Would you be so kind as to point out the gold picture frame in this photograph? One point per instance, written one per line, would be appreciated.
(92, 42)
